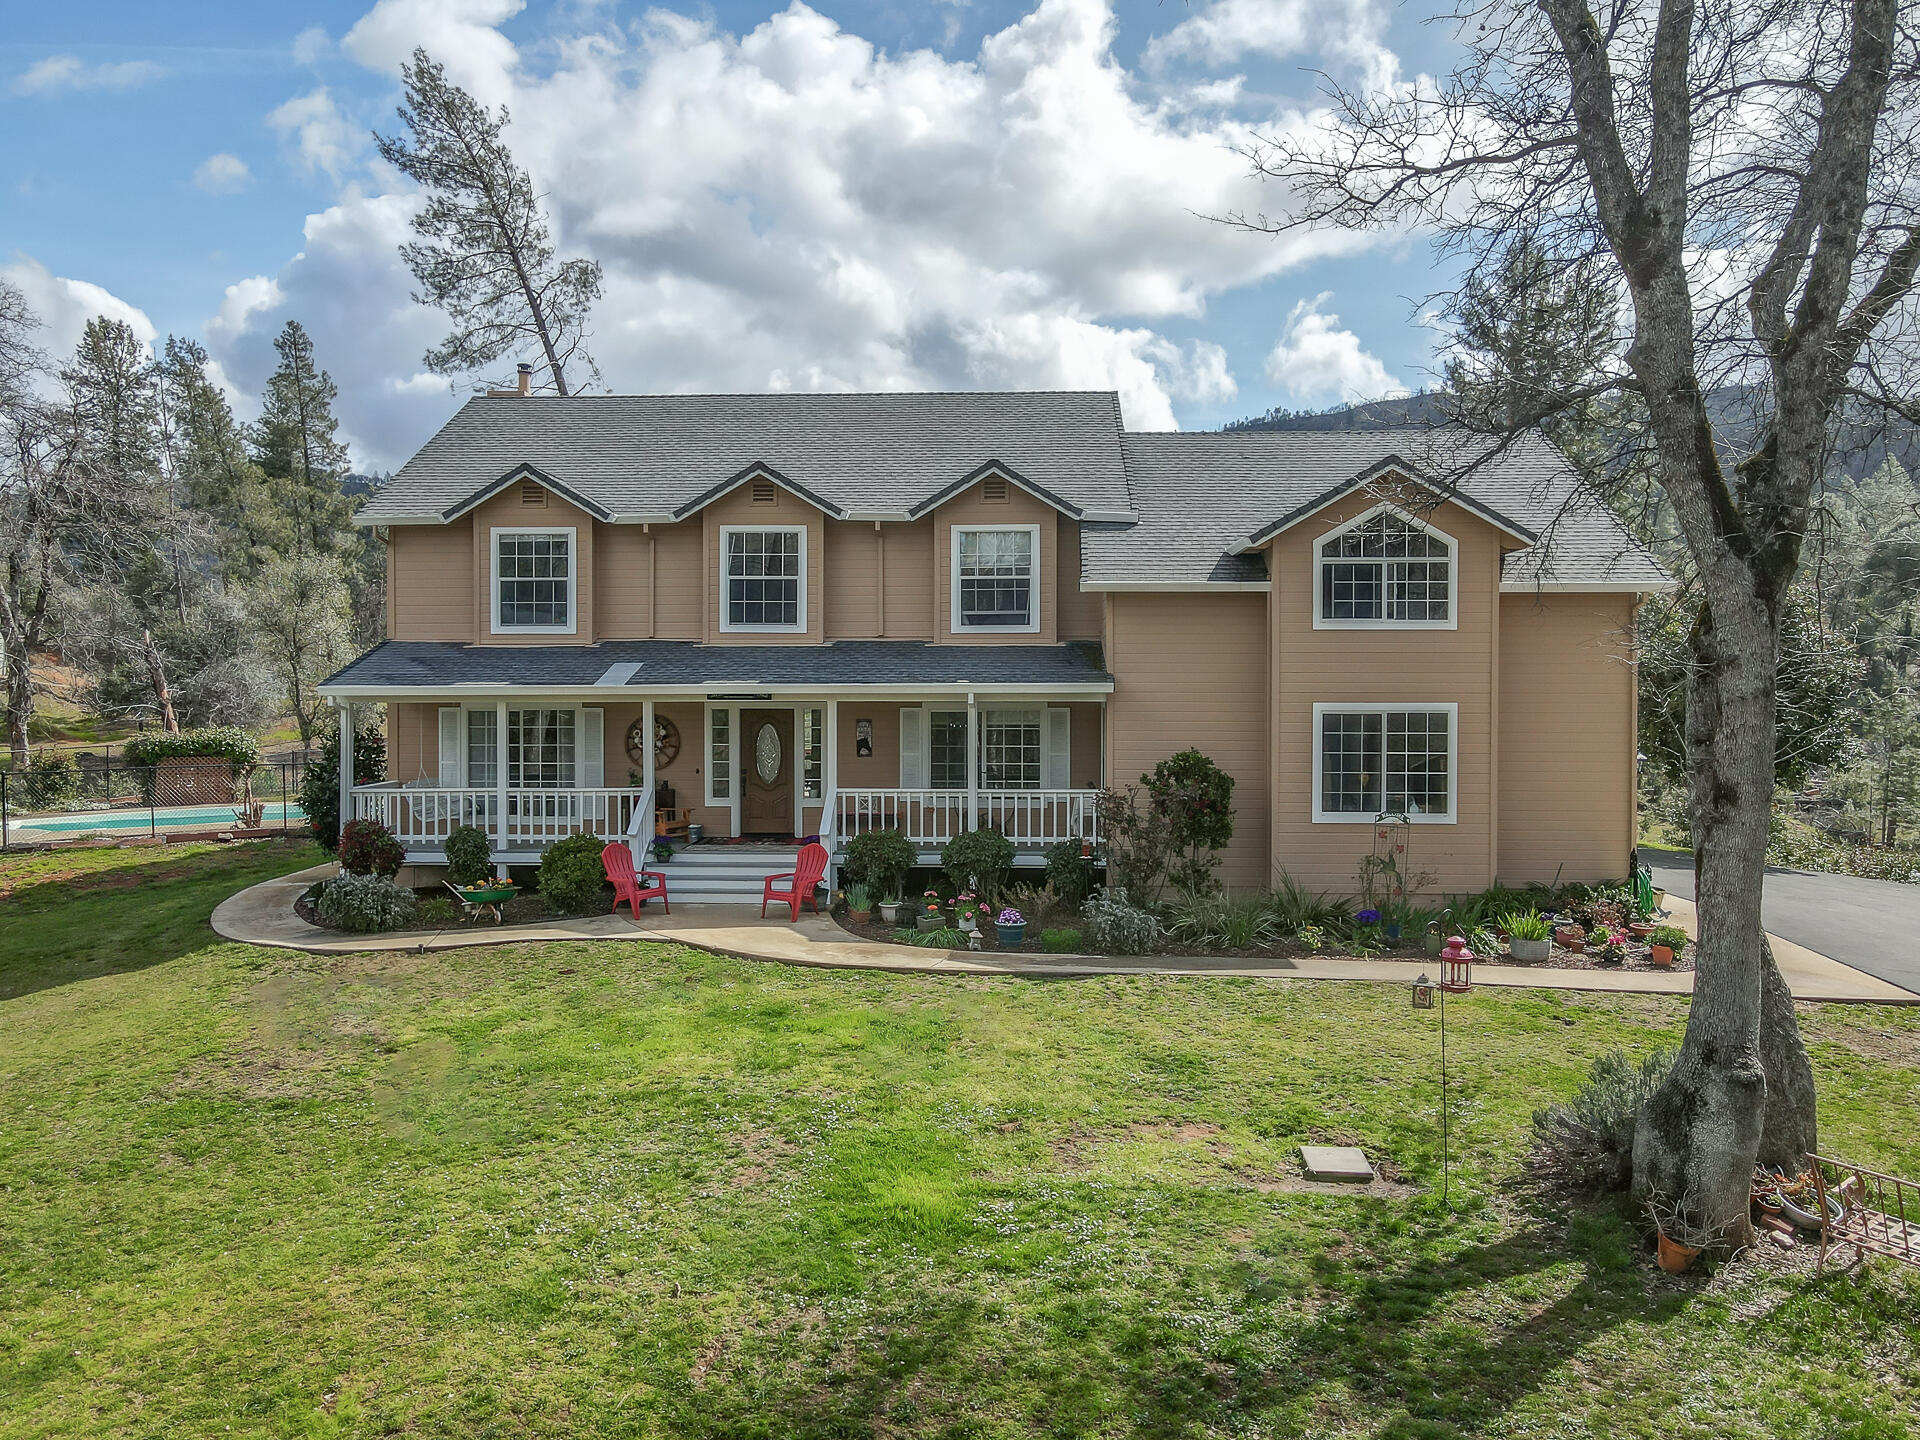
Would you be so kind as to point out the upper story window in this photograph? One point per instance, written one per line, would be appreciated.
(764, 584)
(996, 578)
(533, 581)
(1384, 570)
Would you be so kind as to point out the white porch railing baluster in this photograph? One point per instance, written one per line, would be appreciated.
(930, 818)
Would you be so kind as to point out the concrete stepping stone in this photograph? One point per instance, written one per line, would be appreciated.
(1336, 1162)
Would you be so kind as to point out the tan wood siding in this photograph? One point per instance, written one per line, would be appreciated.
(738, 508)
(680, 580)
(1189, 670)
(623, 599)
(430, 582)
(1566, 737)
(1413, 667)
(852, 579)
(908, 592)
(1019, 508)
(505, 511)
(413, 742)
(1082, 616)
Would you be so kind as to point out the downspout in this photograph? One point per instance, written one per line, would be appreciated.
(879, 583)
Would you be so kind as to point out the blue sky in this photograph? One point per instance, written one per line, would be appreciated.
(912, 195)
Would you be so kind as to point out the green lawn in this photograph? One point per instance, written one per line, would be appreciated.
(635, 1189)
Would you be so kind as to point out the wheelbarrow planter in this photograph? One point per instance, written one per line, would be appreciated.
(478, 900)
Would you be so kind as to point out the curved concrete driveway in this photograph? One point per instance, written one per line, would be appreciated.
(1872, 925)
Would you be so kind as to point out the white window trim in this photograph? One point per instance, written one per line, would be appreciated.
(730, 802)
(1320, 562)
(1392, 707)
(573, 579)
(726, 580)
(953, 583)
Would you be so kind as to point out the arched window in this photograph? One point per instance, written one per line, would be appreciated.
(1384, 569)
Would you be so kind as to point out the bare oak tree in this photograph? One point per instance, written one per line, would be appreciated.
(1746, 171)
(485, 256)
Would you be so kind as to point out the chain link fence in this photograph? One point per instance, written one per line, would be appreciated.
(99, 797)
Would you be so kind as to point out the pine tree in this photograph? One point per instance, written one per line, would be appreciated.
(485, 256)
(297, 446)
(207, 456)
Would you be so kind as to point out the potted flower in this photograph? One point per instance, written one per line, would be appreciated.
(1571, 937)
(859, 904)
(966, 907)
(662, 852)
(1666, 942)
(1529, 937)
(1607, 946)
(1012, 928)
(930, 917)
(1640, 929)
(894, 910)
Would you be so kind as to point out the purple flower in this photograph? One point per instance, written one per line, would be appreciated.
(1010, 916)
(1368, 916)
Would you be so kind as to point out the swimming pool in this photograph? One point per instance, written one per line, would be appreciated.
(176, 817)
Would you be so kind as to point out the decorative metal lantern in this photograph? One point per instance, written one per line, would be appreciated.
(1422, 992)
(1456, 961)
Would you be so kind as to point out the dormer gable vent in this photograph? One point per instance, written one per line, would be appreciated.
(533, 495)
(765, 492)
(993, 491)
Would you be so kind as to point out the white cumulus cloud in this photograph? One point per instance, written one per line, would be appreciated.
(1228, 32)
(70, 72)
(222, 174)
(793, 207)
(65, 306)
(322, 139)
(1318, 363)
(311, 46)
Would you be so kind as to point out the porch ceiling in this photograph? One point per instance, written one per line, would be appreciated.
(640, 667)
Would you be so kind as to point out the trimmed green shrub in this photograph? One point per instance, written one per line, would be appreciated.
(320, 784)
(365, 903)
(1062, 942)
(1069, 873)
(571, 875)
(1193, 798)
(978, 860)
(880, 860)
(1119, 928)
(469, 855)
(50, 783)
(1587, 1142)
(368, 848)
(217, 742)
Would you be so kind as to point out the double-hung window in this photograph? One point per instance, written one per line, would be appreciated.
(540, 749)
(1375, 760)
(1384, 570)
(763, 584)
(1010, 749)
(533, 581)
(947, 749)
(996, 578)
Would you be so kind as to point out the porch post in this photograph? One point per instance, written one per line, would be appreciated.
(500, 775)
(646, 768)
(973, 762)
(346, 763)
(829, 788)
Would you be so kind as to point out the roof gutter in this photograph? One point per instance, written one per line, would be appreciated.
(485, 689)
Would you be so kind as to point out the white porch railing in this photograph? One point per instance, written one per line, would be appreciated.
(421, 816)
(933, 817)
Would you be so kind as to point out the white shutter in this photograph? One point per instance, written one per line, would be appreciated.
(916, 769)
(1056, 750)
(453, 747)
(591, 748)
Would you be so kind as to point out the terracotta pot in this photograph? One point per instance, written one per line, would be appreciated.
(1663, 956)
(1574, 940)
(860, 917)
(1639, 931)
(1675, 1257)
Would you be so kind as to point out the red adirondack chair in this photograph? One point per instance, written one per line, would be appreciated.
(635, 889)
(799, 882)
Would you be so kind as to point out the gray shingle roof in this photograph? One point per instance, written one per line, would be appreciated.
(404, 664)
(1201, 495)
(651, 454)
(1160, 508)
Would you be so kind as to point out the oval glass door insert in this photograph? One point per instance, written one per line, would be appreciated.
(766, 753)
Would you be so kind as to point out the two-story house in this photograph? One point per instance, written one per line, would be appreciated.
(822, 613)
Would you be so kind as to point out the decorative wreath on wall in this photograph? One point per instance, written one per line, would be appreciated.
(666, 742)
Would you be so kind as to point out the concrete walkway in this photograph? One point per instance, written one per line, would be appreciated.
(263, 915)
(1872, 925)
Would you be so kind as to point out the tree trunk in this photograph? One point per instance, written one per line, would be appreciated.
(20, 706)
(157, 677)
(1697, 1139)
(1791, 1129)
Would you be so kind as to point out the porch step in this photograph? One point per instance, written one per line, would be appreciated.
(723, 874)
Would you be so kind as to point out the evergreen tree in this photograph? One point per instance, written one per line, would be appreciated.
(207, 455)
(484, 257)
(297, 446)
